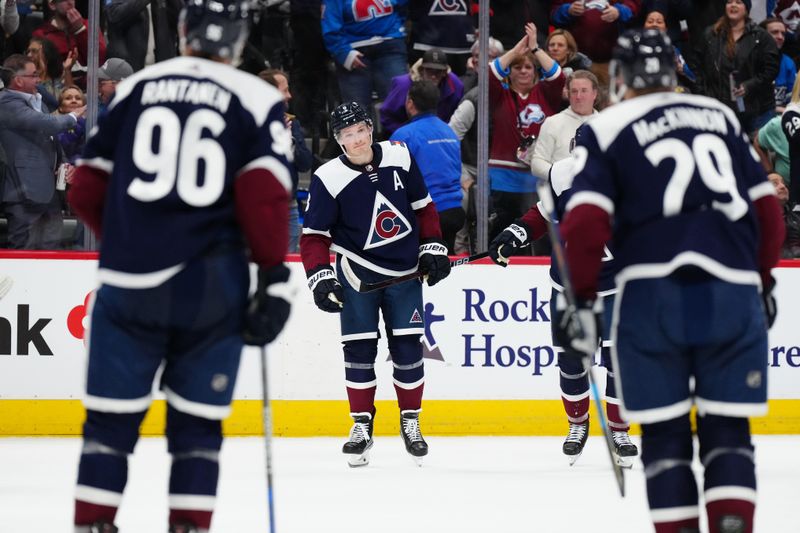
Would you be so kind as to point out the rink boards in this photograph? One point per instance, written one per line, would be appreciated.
(490, 366)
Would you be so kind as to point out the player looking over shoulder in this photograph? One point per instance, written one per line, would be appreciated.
(696, 227)
(573, 378)
(188, 164)
(371, 207)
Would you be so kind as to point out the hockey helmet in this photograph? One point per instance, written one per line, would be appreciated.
(348, 114)
(216, 27)
(642, 59)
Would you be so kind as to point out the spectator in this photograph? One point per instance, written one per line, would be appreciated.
(128, 30)
(436, 150)
(367, 41)
(27, 133)
(432, 67)
(595, 26)
(656, 20)
(302, 155)
(787, 11)
(519, 104)
(557, 132)
(448, 28)
(702, 15)
(772, 147)
(791, 245)
(68, 30)
(9, 18)
(470, 78)
(738, 63)
(673, 11)
(51, 68)
(787, 71)
(790, 122)
(73, 139)
(561, 46)
(113, 71)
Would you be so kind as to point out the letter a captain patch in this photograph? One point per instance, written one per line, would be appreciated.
(416, 318)
(388, 223)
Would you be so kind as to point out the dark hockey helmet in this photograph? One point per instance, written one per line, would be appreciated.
(348, 114)
(216, 27)
(642, 59)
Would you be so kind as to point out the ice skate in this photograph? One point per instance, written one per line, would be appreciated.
(624, 449)
(575, 441)
(357, 448)
(100, 527)
(412, 437)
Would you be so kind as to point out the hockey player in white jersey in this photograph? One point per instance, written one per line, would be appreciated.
(371, 207)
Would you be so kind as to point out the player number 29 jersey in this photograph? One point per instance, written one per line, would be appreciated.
(678, 177)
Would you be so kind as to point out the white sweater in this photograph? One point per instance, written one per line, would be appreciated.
(554, 137)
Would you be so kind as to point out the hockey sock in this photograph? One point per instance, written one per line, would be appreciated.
(574, 385)
(409, 370)
(194, 443)
(359, 373)
(108, 439)
(667, 452)
(730, 480)
(615, 420)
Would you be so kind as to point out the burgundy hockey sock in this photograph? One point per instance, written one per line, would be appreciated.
(362, 400)
(577, 411)
(726, 515)
(200, 519)
(88, 513)
(409, 398)
(615, 420)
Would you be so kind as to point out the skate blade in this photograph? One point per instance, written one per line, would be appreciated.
(417, 460)
(354, 461)
(624, 462)
(574, 458)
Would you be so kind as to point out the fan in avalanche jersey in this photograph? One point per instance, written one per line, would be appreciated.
(372, 208)
(696, 232)
(190, 158)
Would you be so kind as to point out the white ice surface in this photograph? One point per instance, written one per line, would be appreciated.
(467, 484)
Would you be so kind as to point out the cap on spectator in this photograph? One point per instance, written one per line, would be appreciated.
(434, 58)
(115, 69)
(748, 4)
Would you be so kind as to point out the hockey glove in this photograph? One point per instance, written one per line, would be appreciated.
(577, 330)
(508, 242)
(328, 292)
(267, 311)
(770, 305)
(433, 262)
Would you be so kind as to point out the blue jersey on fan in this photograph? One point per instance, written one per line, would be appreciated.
(677, 174)
(173, 160)
(382, 235)
(561, 175)
(349, 24)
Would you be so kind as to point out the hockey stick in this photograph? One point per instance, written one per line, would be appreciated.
(267, 421)
(370, 287)
(543, 187)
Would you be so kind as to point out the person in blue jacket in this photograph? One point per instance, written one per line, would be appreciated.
(437, 150)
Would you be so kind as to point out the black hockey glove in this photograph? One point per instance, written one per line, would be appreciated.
(508, 242)
(770, 305)
(328, 292)
(267, 311)
(433, 262)
(578, 330)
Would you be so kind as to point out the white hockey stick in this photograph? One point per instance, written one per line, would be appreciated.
(267, 421)
(5, 285)
(543, 188)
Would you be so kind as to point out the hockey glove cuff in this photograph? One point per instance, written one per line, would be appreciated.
(328, 292)
(508, 242)
(770, 305)
(269, 306)
(433, 261)
(577, 330)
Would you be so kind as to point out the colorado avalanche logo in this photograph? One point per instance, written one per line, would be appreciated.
(790, 13)
(388, 224)
(370, 9)
(448, 7)
(531, 114)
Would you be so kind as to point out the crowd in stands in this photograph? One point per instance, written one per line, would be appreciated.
(408, 63)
